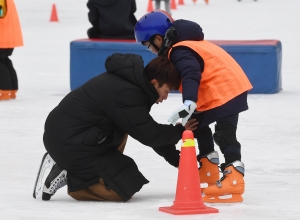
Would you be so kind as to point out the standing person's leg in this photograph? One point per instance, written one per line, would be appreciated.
(5, 82)
(167, 6)
(225, 138)
(232, 183)
(157, 4)
(208, 158)
(13, 76)
(5, 79)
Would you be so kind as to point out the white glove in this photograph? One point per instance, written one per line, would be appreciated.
(184, 112)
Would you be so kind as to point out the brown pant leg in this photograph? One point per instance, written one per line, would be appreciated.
(98, 192)
(122, 144)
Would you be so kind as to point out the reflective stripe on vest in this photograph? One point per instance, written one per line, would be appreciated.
(222, 78)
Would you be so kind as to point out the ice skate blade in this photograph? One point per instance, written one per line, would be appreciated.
(45, 168)
(230, 198)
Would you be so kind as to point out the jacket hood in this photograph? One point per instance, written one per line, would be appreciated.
(104, 3)
(131, 68)
(181, 30)
(188, 30)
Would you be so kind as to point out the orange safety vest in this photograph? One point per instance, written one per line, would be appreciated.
(10, 29)
(222, 78)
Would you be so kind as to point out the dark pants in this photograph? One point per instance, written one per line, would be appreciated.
(224, 137)
(8, 75)
(118, 178)
(99, 191)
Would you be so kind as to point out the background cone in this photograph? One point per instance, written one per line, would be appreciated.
(188, 199)
(150, 6)
(173, 4)
(180, 2)
(54, 17)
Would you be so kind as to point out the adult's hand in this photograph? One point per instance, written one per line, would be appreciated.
(190, 125)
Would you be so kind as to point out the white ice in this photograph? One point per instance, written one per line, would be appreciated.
(269, 131)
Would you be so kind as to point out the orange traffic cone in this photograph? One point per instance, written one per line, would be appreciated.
(53, 17)
(180, 2)
(206, 1)
(173, 5)
(150, 6)
(188, 199)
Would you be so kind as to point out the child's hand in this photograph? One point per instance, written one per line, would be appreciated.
(185, 111)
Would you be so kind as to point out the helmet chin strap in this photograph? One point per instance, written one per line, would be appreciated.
(151, 40)
(170, 37)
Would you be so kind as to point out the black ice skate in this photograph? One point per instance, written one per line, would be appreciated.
(50, 178)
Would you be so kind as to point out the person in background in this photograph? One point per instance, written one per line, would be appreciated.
(10, 37)
(85, 135)
(111, 19)
(167, 5)
(214, 89)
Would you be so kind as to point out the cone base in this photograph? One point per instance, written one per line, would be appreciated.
(201, 210)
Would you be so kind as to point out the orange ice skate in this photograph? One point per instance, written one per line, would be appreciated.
(229, 188)
(5, 94)
(13, 94)
(209, 170)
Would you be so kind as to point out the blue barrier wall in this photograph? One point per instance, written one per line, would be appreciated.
(260, 59)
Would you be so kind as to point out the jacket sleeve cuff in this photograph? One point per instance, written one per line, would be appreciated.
(180, 127)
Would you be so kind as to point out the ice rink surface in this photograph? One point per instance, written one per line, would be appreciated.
(269, 131)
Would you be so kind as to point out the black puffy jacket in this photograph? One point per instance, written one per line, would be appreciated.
(107, 107)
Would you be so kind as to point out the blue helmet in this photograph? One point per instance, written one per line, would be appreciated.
(152, 23)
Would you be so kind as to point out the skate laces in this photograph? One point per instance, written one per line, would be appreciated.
(218, 183)
(237, 165)
(60, 181)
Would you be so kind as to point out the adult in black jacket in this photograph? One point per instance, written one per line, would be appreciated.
(86, 133)
(111, 19)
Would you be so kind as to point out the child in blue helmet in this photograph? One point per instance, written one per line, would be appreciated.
(204, 69)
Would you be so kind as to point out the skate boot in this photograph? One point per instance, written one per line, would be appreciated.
(13, 94)
(5, 94)
(229, 188)
(56, 179)
(209, 170)
(49, 179)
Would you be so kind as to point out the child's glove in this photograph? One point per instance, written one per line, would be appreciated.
(184, 112)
